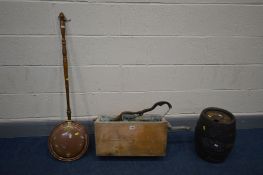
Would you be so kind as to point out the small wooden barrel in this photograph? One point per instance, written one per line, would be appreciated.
(215, 134)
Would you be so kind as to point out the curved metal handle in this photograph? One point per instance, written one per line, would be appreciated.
(140, 113)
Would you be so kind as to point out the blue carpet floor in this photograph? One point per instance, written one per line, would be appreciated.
(30, 156)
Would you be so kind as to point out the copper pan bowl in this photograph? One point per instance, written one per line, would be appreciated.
(68, 141)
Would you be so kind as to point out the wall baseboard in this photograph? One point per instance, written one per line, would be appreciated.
(42, 126)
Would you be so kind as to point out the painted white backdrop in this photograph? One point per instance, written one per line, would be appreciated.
(126, 55)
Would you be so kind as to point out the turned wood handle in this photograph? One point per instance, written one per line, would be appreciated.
(62, 21)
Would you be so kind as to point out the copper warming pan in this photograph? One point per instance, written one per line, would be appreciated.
(68, 141)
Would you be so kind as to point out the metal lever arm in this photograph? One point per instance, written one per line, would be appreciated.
(140, 113)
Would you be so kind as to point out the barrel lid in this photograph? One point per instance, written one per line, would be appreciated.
(219, 116)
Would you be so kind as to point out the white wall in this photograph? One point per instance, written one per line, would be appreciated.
(126, 55)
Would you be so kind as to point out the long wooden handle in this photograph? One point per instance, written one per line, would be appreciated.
(62, 20)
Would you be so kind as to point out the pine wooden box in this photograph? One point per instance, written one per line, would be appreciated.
(130, 138)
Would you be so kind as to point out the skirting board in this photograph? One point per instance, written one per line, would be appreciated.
(42, 127)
